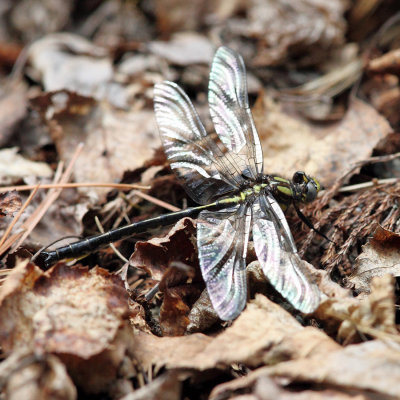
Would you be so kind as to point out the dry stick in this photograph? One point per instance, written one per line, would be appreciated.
(157, 202)
(74, 185)
(49, 199)
(367, 185)
(17, 217)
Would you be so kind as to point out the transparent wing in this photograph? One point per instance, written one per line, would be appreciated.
(222, 239)
(277, 254)
(230, 111)
(206, 172)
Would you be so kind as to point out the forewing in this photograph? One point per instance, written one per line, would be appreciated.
(222, 239)
(277, 254)
(230, 111)
(194, 156)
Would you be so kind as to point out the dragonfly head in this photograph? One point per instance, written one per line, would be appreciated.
(306, 188)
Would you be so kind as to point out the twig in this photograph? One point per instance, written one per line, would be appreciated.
(157, 201)
(366, 185)
(33, 220)
(17, 217)
(74, 185)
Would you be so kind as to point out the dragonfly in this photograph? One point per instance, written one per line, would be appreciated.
(223, 172)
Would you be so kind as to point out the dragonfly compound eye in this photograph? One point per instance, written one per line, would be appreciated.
(312, 191)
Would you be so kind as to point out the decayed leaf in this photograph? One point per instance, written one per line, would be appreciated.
(33, 19)
(265, 387)
(369, 370)
(29, 376)
(115, 140)
(79, 315)
(10, 203)
(13, 165)
(179, 294)
(166, 386)
(371, 366)
(155, 255)
(380, 256)
(202, 315)
(185, 49)
(57, 58)
(263, 333)
(179, 15)
(327, 152)
(372, 315)
(172, 260)
(13, 104)
(305, 29)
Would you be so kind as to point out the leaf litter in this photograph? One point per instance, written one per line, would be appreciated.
(77, 331)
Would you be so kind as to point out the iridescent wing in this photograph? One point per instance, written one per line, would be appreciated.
(222, 239)
(230, 111)
(277, 254)
(205, 170)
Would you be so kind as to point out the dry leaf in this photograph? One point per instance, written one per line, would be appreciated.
(56, 60)
(202, 315)
(10, 202)
(166, 386)
(372, 315)
(33, 19)
(155, 255)
(178, 15)
(111, 136)
(29, 376)
(290, 144)
(13, 103)
(79, 315)
(172, 260)
(371, 366)
(305, 30)
(13, 165)
(184, 49)
(263, 333)
(267, 388)
(380, 256)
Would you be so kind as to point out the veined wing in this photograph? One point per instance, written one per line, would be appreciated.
(230, 111)
(198, 161)
(222, 239)
(277, 254)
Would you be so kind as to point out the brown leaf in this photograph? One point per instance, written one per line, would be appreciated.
(77, 314)
(266, 388)
(10, 202)
(184, 49)
(13, 107)
(56, 58)
(13, 165)
(306, 30)
(166, 386)
(263, 333)
(202, 315)
(179, 295)
(33, 377)
(326, 152)
(155, 255)
(173, 261)
(111, 136)
(364, 368)
(374, 314)
(380, 256)
(178, 15)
